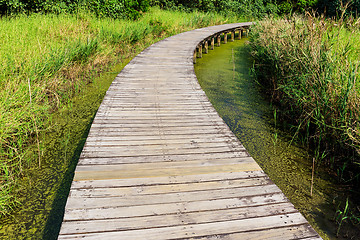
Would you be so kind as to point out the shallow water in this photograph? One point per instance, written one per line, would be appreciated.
(224, 75)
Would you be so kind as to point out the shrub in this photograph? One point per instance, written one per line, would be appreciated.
(102, 8)
(336, 8)
(249, 8)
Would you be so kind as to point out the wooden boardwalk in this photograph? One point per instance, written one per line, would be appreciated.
(159, 163)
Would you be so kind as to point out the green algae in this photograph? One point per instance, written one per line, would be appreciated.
(224, 75)
(42, 192)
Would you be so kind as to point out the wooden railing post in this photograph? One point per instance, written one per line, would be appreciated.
(206, 46)
(218, 40)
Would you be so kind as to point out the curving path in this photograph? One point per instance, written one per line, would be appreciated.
(159, 163)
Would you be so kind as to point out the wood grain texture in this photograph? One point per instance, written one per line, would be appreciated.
(159, 162)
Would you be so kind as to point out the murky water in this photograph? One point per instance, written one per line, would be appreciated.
(224, 75)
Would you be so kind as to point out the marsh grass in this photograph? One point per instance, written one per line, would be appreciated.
(310, 67)
(45, 60)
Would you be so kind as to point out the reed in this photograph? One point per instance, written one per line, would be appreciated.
(310, 67)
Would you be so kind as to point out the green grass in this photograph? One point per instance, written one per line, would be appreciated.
(46, 60)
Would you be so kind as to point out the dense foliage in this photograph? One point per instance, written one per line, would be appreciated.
(253, 8)
(102, 8)
(335, 8)
(133, 8)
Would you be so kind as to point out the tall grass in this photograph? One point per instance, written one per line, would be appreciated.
(310, 65)
(45, 60)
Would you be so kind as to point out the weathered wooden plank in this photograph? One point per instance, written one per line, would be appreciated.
(161, 158)
(170, 188)
(152, 132)
(198, 230)
(105, 166)
(155, 140)
(154, 124)
(133, 173)
(175, 219)
(167, 180)
(159, 115)
(187, 143)
(173, 208)
(295, 232)
(180, 127)
(156, 148)
(131, 200)
(162, 117)
(201, 134)
(157, 152)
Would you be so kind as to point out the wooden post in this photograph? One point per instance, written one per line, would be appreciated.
(212, 43)
(225, 37)
(247, 32)
(200, 51)
(240, 33)
(218, 40)
(194, 57)
(206, 46)
(232, 35)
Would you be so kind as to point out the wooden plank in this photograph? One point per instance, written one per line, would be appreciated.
(176, 141)
(88, 153)
(151, 139)
(163, 128)
(133, 173)
(160, 132)
(211, 177)
(302, 231)
(170, 188)
(161, 158)
(173, 208)
(175, 219)
(105, 166)
(131, 200)
(155, 124)
(199, 230)
(150, 149)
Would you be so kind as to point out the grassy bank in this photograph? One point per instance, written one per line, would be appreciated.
(309, 66)
(46, 60)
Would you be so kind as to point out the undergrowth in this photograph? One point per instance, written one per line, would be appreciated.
(45, 60)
